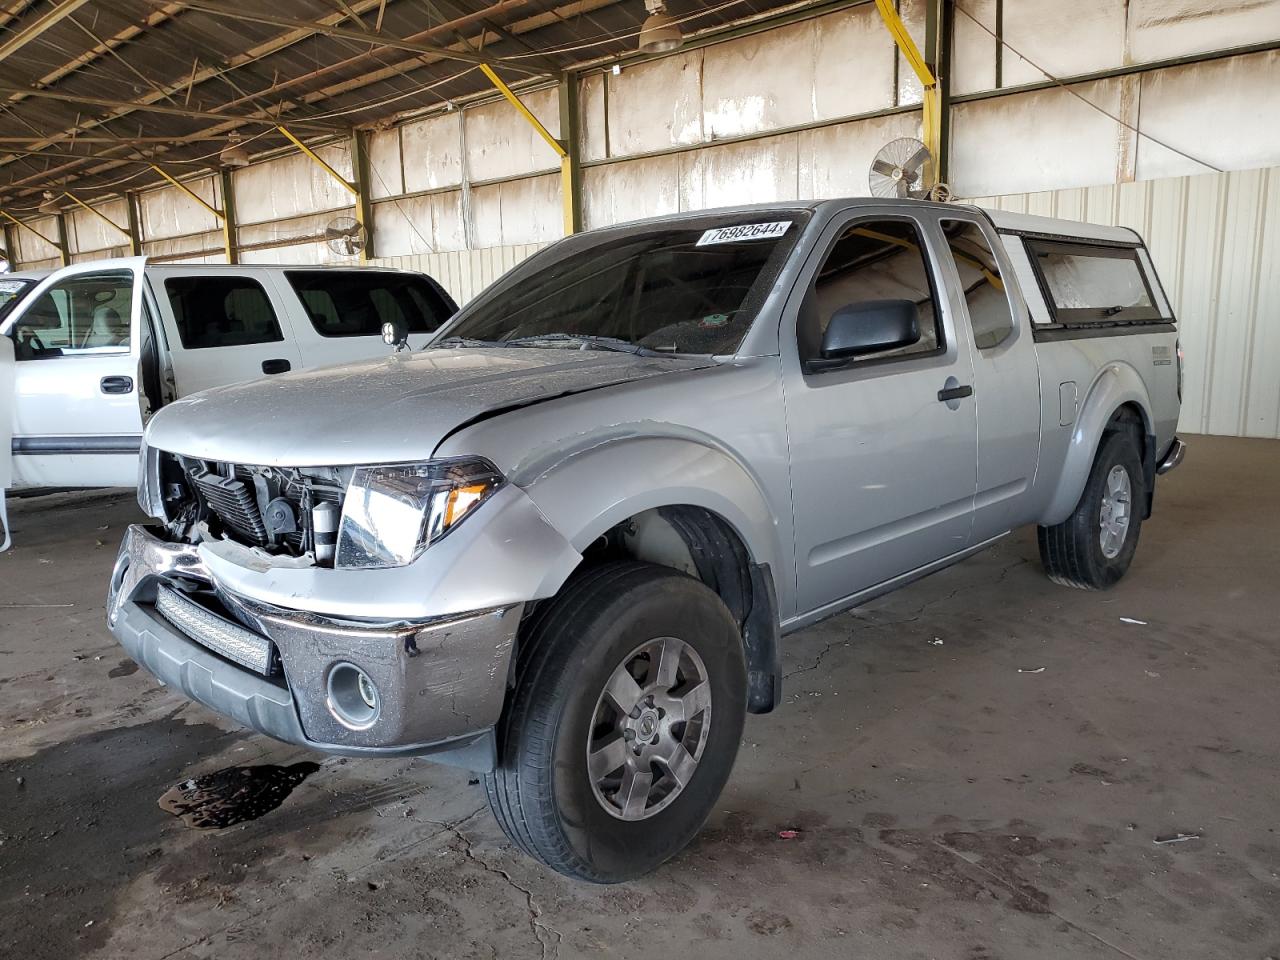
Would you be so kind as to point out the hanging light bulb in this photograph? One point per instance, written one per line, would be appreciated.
(49, 207)
(234, 154)
(660, 32)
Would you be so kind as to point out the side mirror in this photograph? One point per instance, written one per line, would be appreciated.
(395, 334)
(869, 327)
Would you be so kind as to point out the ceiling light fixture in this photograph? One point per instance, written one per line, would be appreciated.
(234, 154)
(660, 33)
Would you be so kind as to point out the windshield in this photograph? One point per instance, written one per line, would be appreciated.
(11, 294)
(692, 287)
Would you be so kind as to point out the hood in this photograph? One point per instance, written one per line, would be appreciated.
(396, 409)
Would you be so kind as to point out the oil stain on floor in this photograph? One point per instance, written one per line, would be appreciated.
(234, 794)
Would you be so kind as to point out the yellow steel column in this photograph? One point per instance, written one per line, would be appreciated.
(135, 230)
(229, 242)
(571, 162)
(911, 53)
(364, 208)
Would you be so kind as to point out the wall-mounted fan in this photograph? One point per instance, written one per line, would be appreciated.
(901, 170)
(345, 236)
(898, 171)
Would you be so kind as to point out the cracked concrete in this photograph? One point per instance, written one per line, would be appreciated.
(945, 805)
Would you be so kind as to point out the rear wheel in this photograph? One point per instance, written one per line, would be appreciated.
(1092, 548)
(624, 724)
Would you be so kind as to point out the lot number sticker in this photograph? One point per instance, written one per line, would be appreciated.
(745, 231)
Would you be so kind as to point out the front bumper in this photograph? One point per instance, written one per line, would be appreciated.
(441, 681)
(1173, 457)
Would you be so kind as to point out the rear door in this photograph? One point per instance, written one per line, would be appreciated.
(340, 313)
(223, 326)
(77, 404)
(1006, 375)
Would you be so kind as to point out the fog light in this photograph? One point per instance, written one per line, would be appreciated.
(353, 696)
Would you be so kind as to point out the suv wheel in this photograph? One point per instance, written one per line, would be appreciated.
(1092, 548)
(624, 722)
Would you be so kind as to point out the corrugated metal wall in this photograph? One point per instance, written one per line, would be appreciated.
(1215, 240)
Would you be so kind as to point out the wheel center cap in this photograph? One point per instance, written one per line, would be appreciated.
(647, 726)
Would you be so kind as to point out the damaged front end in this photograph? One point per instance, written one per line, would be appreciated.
(283, 512)
(233, 597)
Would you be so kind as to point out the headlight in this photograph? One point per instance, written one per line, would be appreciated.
(393, 513)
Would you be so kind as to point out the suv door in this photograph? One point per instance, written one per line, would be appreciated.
(77, 404)
(883, 463)
(222, 327)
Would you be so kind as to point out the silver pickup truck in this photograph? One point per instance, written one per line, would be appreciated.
(563, 543)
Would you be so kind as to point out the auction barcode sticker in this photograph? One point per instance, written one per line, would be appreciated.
(744, 231)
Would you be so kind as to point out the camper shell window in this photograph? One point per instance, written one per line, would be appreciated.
(1086, 283)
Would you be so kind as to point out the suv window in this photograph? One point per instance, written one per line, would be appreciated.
(984, 293)
(84, 315)
(221, 312)
(872, 260)
(344, 303)
(1092, 283)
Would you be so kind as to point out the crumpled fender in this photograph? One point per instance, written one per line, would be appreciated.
(1115, 385)
(504, 555)
(585, 490)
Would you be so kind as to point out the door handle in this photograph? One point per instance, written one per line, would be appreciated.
(955, 393)
(116, 384)
(276, 366)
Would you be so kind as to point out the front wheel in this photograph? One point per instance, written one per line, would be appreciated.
(623, 725)
(1092, 548)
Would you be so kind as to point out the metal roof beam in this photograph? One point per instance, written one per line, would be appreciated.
(344, 33)
(183, 112)
(267, 47)
(21, 37)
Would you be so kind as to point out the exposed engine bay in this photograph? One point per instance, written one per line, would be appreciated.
(283, 511)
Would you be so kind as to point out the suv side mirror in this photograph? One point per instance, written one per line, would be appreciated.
(870, 327)
(395, 334)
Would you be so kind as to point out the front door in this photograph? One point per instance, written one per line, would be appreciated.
(77, 405)
(884, 448)
(222, 327)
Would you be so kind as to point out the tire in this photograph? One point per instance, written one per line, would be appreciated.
(542, 793)
(1073, 552)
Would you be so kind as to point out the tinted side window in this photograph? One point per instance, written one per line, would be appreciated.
(83, 315)
(221, 312)
(1087, 283)
(984, 292)
(345, 303)
(872, 260)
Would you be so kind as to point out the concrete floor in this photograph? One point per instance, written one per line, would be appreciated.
(977, 767)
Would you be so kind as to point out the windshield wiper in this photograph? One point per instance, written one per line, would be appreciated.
(587, 340)
(466, 342)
